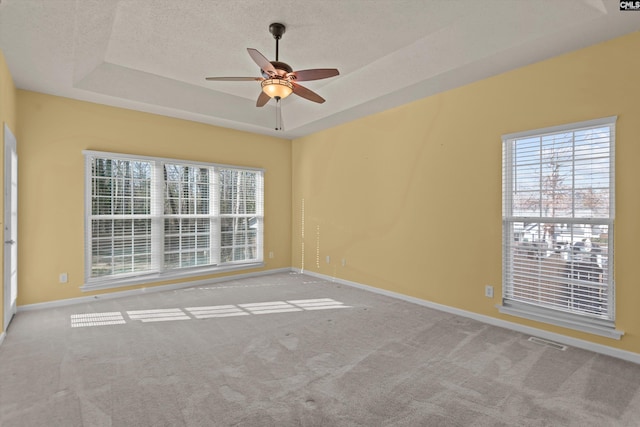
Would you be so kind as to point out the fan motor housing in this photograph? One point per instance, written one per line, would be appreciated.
(281, 67)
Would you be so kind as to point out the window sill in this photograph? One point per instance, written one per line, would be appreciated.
(97, 285)
(591, 326)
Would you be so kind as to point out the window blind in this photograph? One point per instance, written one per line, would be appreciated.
(558, 212)
(121, 217)
(154, 216)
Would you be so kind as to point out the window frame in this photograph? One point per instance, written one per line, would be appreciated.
(157, 215)
(539, 312)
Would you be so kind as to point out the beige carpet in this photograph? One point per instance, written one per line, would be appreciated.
(292, 350)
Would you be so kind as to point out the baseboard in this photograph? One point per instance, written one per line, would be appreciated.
(160, 288)
(2, 335)
(563, 339)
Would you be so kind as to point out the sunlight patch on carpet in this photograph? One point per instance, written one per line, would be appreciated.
(216, 311)
(158, 315)
(96, 319)
(205, 312)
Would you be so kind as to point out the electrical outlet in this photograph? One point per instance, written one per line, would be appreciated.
(271, 254)
(344, 262)
(328, 259)
(488, 291)
(64, 278)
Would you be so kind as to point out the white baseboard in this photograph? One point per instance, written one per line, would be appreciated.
(563, 339)
(2, 335)
(160, 288)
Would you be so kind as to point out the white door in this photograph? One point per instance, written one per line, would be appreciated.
(10, 226)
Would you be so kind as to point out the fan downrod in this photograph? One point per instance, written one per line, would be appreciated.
(277, 30)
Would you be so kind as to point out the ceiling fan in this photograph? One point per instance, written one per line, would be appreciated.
(278, 79)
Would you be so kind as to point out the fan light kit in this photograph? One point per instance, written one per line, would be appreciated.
(278, 79)
(277, 88)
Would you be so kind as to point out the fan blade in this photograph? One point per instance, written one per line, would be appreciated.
(262, 62)
(315, 74)
(306, 93)
(263, 98)
(234, 79)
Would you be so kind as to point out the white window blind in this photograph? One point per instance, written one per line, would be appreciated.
(189, 216)
(152, 217)
(558, 213)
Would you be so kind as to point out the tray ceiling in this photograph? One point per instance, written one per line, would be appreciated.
(154, 55)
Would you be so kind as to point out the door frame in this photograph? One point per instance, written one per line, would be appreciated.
(10, 232)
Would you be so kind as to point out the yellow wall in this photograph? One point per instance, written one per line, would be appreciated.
(53, 131)
(8, 116)
(411, 197)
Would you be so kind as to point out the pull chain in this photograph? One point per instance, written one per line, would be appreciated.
(279, 125)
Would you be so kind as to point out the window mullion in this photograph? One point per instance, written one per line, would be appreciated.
(214, 211)
(157, 216)
(540, 179)
(573, 174)
(260, 215)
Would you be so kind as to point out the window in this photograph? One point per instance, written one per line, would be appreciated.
(152, 218)
(558, 212)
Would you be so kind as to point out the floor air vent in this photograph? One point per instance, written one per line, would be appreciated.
(548, 343)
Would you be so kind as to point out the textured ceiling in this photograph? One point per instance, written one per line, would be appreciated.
(154, 55)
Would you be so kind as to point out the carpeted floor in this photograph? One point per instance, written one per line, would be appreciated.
(293, 350)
